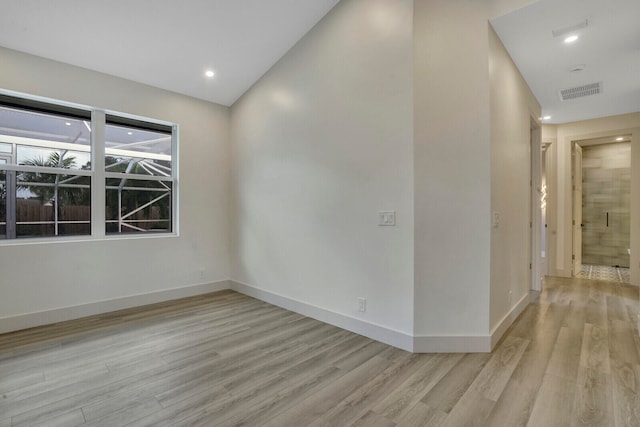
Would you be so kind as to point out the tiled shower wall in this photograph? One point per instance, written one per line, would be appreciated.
(606, 185)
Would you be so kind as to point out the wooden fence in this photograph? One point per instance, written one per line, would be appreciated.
(29, 211)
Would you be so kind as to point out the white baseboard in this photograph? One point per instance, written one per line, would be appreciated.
(561, 273)
(470, 344)
(30, 320)
(451, 344)
(379, 333)
(399, 339)
(502, 326)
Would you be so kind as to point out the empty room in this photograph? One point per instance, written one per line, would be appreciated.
(319, 213)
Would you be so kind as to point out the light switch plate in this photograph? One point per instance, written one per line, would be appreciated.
(386, 218)
(495, 219)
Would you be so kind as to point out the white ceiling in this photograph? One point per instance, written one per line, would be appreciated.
(609, 48)
(164, 43)
(170, 44)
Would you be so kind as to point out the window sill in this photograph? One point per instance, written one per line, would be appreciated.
(87, 239)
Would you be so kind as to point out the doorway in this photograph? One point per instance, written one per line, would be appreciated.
(601, 187)
(536, 244)
(544, 161)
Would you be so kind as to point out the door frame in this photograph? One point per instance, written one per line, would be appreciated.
(576, 211)
(535, 213)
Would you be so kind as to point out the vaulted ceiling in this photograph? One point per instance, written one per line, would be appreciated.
(164, 43)
(170, 44)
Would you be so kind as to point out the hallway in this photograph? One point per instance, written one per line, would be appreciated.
(582, 362)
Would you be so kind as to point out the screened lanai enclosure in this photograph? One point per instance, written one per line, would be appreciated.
(62, 172)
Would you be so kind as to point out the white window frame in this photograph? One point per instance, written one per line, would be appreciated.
(98, 174)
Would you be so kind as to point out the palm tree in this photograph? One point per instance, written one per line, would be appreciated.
(48, 193)
(55, 191)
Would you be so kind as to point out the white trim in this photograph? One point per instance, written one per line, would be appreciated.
(175, 174)
(452, 344)
(30, 320)
(377, 332)
(535, 153)
(399, 339)
(85, 238)
(502, 326)
(44, 99)
(98, 173)
(98, 182)
(136, 118)
(561, 272)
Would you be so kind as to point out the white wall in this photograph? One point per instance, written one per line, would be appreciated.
(452, 169)
(42, 277)
(512, 107)
(471, 126)
(561, 215)
(321, 144)
(384, 105)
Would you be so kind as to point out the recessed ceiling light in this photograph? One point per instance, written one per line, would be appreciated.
(68, 124)
(619, 138)
(546, 117)
(571, 39)
(129, 133)
(209, 73)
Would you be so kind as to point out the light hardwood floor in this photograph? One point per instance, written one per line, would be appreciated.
(571, 359)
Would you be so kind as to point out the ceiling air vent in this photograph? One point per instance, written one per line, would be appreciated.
(580, 91)
(561, 32)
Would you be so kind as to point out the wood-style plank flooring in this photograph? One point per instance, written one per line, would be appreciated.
(571, 359)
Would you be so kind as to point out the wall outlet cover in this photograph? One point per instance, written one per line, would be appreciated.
(387, 218)
(362, 304)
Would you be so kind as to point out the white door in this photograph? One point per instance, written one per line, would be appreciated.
(577, 209)
(535, 215)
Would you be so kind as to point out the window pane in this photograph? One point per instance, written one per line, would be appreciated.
(52, 205)
(136, 206)
(45, 139)
(137, 151)
(36, 156)
(38, 136)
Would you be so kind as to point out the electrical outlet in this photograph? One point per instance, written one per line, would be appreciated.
(362, 304)
(202, 274)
